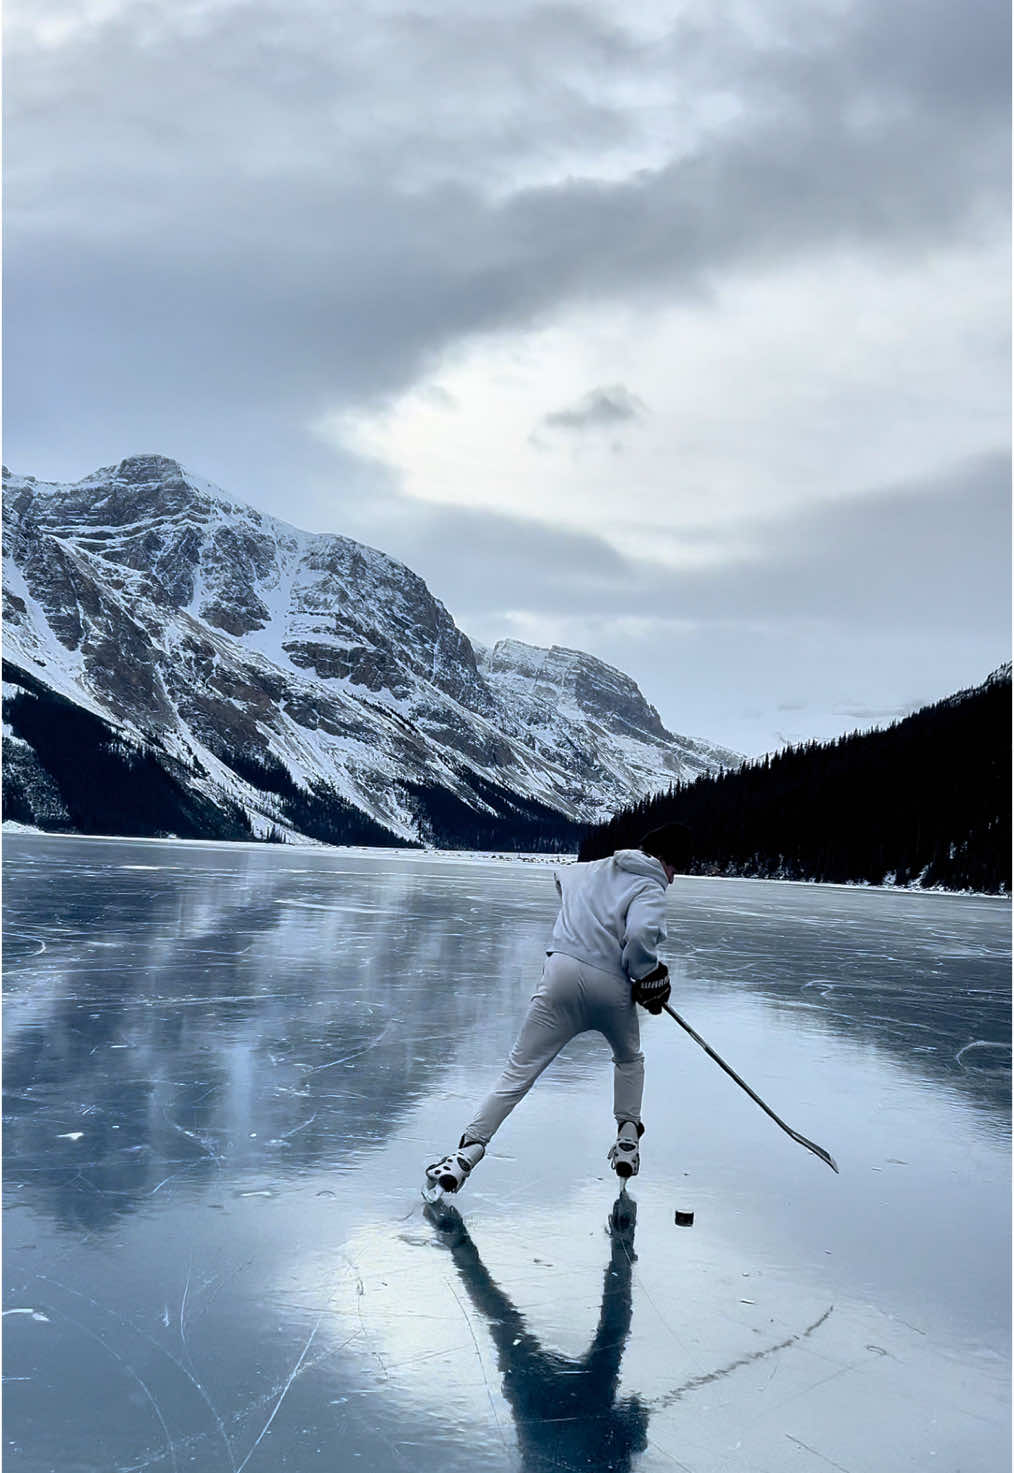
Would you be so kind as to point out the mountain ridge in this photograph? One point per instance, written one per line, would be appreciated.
(274, 668)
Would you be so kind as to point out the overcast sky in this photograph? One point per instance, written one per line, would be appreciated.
(677, 333)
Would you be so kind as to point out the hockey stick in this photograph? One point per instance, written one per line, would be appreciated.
(810, 1145)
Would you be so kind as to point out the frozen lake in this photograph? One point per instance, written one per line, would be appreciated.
(225, 1068)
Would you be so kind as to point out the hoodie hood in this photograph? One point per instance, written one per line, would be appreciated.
(636, 862)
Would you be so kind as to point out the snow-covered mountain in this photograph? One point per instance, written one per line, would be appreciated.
(232, 674)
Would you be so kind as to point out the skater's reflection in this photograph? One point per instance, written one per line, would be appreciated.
(565, 1410)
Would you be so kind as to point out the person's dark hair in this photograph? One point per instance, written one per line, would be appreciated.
(673, 842)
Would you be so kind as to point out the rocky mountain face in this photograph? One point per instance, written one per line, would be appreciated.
(593, 719)
(177, 662)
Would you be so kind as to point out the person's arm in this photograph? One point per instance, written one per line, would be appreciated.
(644, 931)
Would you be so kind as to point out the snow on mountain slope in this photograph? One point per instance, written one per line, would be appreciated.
(271, 672)
(593, 719)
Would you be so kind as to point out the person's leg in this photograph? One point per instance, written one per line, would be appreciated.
(615, 1017)
(554, 1016)
(628, 1082)
(619, 1023)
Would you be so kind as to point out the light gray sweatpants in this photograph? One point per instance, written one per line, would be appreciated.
(572, 998)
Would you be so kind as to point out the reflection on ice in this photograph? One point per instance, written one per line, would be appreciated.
(565, 1408)
(225, 1071)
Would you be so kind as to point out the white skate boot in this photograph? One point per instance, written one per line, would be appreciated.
(450, 1173)
(625, 1157)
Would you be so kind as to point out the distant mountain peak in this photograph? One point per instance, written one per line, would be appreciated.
(144, 468)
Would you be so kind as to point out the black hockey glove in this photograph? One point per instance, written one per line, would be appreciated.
(652, 992)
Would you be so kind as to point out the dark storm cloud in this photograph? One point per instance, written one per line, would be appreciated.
(601, 408)
(220, 230)
(481, 562)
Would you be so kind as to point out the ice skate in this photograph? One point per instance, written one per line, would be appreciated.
(450, 1173)
(625, 1156)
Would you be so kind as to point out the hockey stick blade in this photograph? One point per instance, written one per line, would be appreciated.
(801, 1140)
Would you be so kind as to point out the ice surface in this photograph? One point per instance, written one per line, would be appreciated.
(225, 1068)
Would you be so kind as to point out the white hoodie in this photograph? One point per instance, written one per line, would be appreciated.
(612, 913)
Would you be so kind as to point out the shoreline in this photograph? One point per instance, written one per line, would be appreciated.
(472, 856)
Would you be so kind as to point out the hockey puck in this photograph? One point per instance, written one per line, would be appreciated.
(683, 1219)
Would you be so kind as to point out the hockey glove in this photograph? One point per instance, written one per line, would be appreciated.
(652, 992)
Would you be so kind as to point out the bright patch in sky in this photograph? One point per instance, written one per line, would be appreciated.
(669, 432)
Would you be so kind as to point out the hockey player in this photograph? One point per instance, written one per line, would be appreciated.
(602, 960)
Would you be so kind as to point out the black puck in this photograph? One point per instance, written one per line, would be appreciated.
(683, 1219)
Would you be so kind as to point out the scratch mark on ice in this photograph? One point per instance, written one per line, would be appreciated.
(829, 1461)
(695, 1384)
(478, 1356)
(297, 1128)
(285, 1390)
(129, 1369)
(183, 1310)
(357, 1053)
(114, 1315)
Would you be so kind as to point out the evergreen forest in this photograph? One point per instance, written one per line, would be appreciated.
(925, 802)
